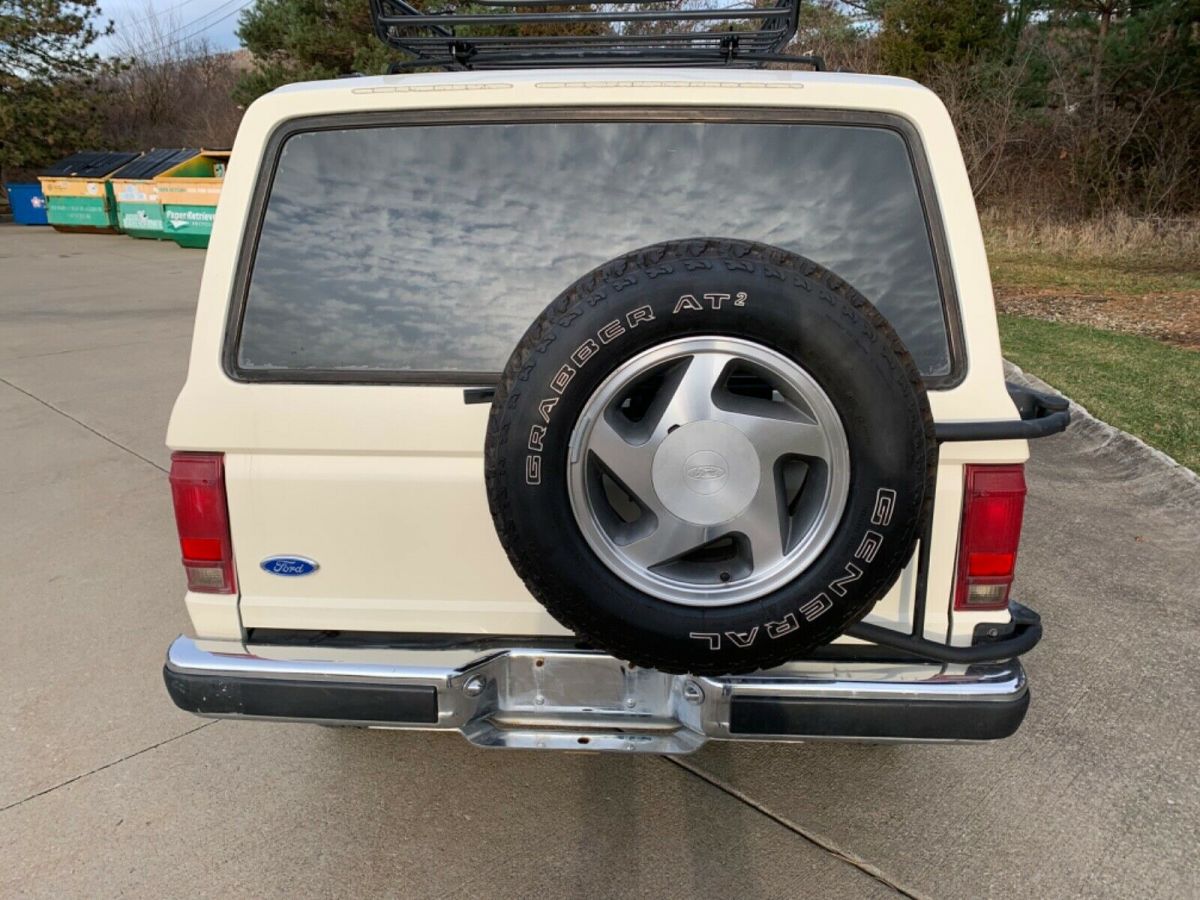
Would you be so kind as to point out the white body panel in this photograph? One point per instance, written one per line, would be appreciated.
(384, 484)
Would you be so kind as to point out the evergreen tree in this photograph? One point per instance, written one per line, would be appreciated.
(48, 72)
(307, 40)
(917, 36)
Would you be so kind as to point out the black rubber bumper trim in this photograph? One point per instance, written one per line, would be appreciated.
(928, 720)
(347, 701)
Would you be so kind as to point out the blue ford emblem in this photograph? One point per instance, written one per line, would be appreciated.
(289, 566)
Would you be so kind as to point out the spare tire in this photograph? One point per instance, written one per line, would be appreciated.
(709, 456)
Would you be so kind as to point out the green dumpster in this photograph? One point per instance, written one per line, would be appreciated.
(189, 194)
(78, 191)
(139, 212)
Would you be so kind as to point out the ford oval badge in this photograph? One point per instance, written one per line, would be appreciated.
(289, 566)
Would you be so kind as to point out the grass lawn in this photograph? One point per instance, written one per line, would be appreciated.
(1138, 384)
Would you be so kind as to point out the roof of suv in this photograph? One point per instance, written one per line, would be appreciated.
(608, 77)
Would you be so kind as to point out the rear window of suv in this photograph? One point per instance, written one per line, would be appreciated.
(424, 251)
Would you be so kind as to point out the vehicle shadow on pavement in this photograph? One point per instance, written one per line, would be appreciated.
(580, 824)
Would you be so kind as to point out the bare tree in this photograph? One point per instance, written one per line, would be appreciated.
(983, 101)
(172, 89)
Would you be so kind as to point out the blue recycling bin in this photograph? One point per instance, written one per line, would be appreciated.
(28, 204)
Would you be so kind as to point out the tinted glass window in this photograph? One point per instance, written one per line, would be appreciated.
(433, 247)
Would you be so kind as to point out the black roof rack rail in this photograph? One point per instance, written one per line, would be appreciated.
(510, 34)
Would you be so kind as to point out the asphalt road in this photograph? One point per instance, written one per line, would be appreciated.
(106, 789)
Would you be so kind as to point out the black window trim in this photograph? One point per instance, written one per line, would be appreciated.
(926, 192)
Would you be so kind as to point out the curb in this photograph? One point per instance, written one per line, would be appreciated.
(1139, 456)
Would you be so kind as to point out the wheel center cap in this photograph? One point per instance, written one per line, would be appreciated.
(706, 472)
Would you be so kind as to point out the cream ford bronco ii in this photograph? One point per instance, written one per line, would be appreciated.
(567, 405)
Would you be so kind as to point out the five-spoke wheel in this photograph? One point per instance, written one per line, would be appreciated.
(708, 471)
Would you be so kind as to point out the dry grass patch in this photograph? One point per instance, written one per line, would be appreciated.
(1135, 276)
(1172, 244)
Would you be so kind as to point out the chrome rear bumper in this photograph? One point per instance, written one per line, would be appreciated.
(577, 699)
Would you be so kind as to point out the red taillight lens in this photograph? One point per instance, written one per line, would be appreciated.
(202, 517)
(993, 506)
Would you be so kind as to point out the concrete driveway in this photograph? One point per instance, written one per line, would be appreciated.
(106, 789)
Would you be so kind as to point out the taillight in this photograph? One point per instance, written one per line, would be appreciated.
(993, 506)
(202, 517)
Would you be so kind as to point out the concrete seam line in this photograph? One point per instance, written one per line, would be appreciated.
(67, 415)
(107, 765)
(816, 840)
(117, 346)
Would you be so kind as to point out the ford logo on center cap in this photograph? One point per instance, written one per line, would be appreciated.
(289, 566)
(704, 473)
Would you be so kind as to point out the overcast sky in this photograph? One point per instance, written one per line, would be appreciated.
(181, 20)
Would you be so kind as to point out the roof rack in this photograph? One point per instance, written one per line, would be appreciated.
(512, 34)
